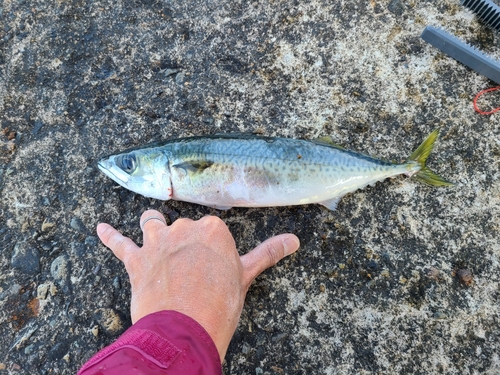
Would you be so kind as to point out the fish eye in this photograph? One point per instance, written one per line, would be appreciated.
(126, 162)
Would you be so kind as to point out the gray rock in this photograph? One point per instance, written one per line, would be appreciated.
(13, 290)
(77, 224)
(23, 336)
(60, 271)
(117, 285)
(91, 241)
(77, 249)
(110, 320)
(179, 78)
(36, 127)
(279, 337)
(397, 7)
(58, 351)
(29, 349)
(245, 349)
(170, 72)
(26, 258)
(47, 246)
(42, 291)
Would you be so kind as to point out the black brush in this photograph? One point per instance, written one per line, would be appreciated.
(486, 10)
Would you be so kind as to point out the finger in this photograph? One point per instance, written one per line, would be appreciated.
(267, 254)
(153, 219)
(114, 240)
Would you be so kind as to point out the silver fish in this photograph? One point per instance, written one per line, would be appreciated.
(245, 170)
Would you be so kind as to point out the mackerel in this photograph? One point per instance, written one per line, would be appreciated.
(246, 170)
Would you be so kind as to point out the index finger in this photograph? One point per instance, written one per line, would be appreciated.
(114, 240)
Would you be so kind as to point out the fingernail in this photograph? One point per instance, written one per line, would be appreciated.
(290, 245)
(100, 228)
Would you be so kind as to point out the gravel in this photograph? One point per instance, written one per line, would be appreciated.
(401, 279)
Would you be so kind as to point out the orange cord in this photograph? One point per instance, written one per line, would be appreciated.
(477, 97)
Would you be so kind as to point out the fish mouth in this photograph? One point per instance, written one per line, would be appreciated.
(105, 166)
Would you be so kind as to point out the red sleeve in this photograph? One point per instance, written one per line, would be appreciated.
(166, 340)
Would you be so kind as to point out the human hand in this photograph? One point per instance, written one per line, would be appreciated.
(193, 267)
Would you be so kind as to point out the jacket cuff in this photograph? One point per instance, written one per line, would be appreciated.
(161, 338)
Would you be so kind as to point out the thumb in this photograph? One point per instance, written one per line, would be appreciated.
(114, 240)
(267, 254)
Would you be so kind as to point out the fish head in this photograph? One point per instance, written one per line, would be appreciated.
(145, 172)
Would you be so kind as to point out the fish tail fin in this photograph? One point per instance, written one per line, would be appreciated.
(420, 156)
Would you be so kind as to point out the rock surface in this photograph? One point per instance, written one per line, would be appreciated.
(25, 258)
(400, 279)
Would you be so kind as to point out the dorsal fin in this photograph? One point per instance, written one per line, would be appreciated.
(327, 140)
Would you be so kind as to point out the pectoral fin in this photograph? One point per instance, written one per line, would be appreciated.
(331, 204)
(191, 167)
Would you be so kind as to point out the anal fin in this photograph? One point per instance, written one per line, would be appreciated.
(331, 204)
(222, 208)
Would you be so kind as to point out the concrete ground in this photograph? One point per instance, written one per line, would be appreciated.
(401, 279)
